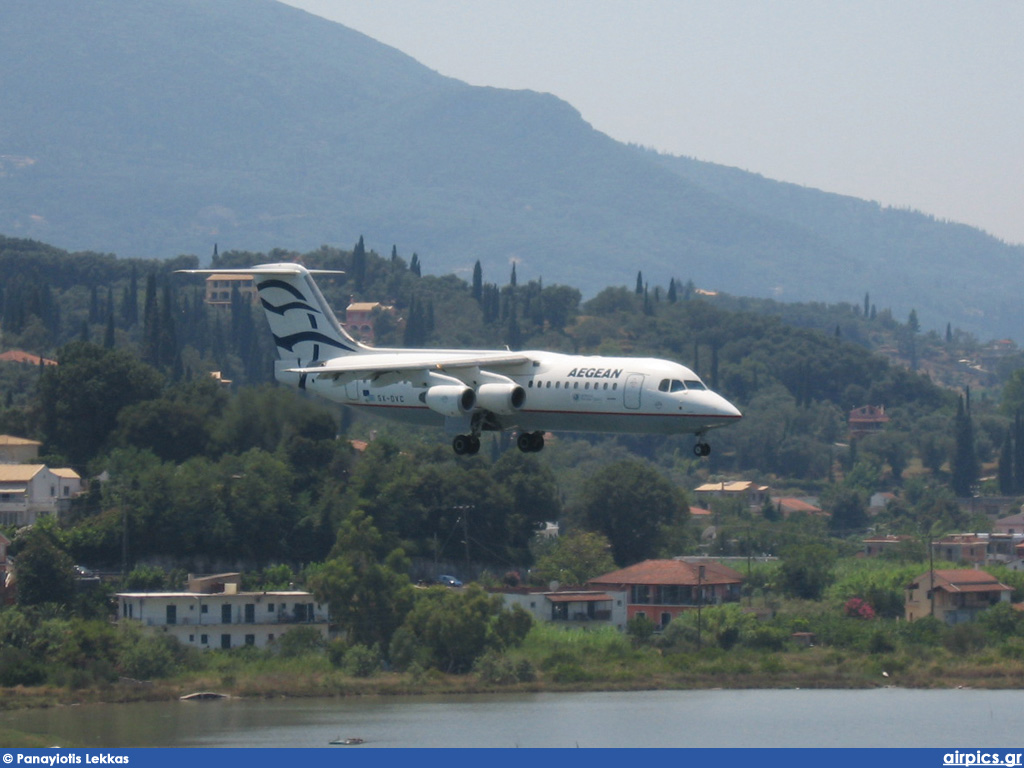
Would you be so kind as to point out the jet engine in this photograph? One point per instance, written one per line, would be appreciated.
(450, 399)
(501, 398)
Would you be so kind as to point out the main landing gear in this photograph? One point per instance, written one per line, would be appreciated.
(530, 442)
(701, 449)
(466, 445)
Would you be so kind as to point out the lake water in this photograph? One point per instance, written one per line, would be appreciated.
(889, 717)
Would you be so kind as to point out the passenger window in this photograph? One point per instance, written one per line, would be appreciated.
(549, 385)
(663, 385)
(695, 384)
(587, 385)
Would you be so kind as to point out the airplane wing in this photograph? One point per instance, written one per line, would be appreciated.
(388, 367)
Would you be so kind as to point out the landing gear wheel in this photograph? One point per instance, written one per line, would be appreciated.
(702, 449)
(466, 445)
(530, 442)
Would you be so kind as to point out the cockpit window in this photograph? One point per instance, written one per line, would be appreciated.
(695, 384)
(663, 385)
(677, 385)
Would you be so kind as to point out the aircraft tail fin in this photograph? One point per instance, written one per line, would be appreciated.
(304, 327)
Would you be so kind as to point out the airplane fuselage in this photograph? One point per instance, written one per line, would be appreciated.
(571, 393)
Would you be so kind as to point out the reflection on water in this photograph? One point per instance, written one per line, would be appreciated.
(787, 718)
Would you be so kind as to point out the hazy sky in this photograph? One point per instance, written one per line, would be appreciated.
(912, 103)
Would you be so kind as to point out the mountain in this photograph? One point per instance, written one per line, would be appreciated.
(157, 127)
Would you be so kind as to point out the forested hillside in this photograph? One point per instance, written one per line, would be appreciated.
(268, 475)
(153, 128)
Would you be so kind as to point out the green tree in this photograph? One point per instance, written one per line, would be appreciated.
(81, 397)
(453, 628)
(965, 467)
(807, 570)
(574, 558)
(368, 590)
(630, 503)
(44, 572)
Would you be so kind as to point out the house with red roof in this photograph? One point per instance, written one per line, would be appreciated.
(955, 596)
(661, 590)
(788, 505)
(867, 419)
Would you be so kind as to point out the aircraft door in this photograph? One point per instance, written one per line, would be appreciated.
(352, 390)
(631, 392)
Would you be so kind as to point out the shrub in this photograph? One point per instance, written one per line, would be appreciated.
(856, 608)
(964, 638)
(299, 641)
(17, 667)
(496, 669)
(570, 672)
(766, 638)
(147, 657)
(362, 661)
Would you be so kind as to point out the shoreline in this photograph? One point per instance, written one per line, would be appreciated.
(319, 685)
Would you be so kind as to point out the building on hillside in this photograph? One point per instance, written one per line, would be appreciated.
(961, 548)
(25, 358)
(361, 319)
(30, 491)
(879, 501)
(1011, 524)
(957, 596)
(701, 517)
(18, 450)
(214, 612)
(750, 494)
(867, 419)
(789, 505)
(879, 545)
(661, 590)
(219, 288)
(570, 607)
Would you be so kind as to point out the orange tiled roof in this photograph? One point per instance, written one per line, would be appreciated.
(21, 356)
(965, 581)
(668, 572)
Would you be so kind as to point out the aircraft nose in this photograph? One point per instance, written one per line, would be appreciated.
(725, 408)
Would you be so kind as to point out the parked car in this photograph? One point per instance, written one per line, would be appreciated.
(448, 581)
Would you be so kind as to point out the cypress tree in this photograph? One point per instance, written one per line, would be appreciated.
(1018, 453)
(672, 297)
(964, 465)
(359, 264)
(1005, 472)
(478, 283)
(151, 324)
(639, 283)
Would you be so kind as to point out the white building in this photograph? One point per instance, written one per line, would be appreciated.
(29, 491)
(18, 450)
(577, 608)
(215, 613)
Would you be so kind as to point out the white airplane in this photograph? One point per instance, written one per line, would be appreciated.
(470, 392)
